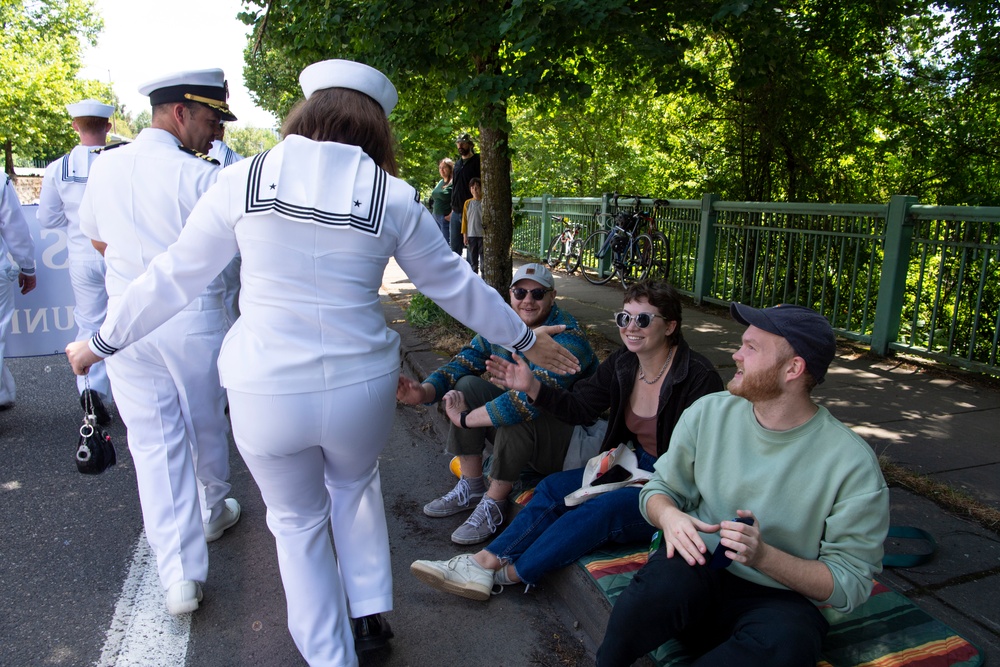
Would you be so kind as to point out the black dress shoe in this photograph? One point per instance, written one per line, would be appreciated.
(101, 412)
(370, 633)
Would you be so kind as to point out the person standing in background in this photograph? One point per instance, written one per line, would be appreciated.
(441, 197)
(472, 225)
(136, 204)
(466, 169)
(59, 206)
(16, 240)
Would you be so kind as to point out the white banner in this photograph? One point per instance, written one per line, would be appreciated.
(43, 318)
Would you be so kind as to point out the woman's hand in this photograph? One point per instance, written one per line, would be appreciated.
(514, 375)
(80, 356)
(454, 406)
(549, 354)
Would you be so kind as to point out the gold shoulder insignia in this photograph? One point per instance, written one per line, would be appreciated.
(107, 148)
(199, 155)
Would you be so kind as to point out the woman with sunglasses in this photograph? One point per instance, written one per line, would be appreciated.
(645, 385)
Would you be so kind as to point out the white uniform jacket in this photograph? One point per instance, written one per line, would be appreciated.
(15, 237)
(223, 153)
(137, 229)
(316, 223)
(59, 202)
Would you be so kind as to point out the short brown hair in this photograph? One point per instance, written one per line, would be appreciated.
(449, 166)
(663, 297)
(348, 117)
(91, 124)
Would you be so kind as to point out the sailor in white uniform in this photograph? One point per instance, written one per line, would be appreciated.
(16, 240)
(231, 274)
(58, 206)
(167, 389)
(311, 367)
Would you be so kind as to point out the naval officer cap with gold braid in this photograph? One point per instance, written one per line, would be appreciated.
(205, 86)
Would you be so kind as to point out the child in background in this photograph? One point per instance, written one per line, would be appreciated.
(472, 224)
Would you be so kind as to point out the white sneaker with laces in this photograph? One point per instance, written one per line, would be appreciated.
(461, 575)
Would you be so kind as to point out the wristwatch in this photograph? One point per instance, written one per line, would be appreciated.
(461, 418)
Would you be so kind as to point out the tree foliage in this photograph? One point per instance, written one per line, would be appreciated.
(40, 55)
(801, 100)
(478, 57)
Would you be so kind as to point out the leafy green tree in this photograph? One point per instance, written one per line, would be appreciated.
(249, 141)
(40, 47)
(480, 56)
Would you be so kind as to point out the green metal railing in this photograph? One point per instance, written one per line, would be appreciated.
(920, 279)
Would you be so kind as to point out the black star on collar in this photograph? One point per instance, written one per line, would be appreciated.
(273, 186)
(357, 204)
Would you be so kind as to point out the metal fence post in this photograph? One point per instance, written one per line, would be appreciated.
(704, 271)
(895, 263)
(546, 234)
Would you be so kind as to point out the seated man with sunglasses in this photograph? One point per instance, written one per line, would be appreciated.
(522, 436)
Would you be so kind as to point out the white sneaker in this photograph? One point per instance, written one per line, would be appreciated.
(183, 597)
(461, 575)
(227, 518)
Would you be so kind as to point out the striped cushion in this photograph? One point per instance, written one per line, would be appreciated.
(886, 631)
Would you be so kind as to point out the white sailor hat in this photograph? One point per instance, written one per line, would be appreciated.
(90, 107)
(205, 86)
(349, 74)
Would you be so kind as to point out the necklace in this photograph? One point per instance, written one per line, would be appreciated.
(642, 373)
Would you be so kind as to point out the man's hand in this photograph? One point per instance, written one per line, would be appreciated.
(549, 354)
(514, 375)
(26, 283)
(411, 392)
(680, 530)
(742, 542)
(454, 406)
(80, 356)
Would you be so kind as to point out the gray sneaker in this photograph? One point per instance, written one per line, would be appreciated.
(459, 499)
(485, 520)
(461, 575)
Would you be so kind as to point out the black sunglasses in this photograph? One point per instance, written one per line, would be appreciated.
(642, 320)
(537, 294)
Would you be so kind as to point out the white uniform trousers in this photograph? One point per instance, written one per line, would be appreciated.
(168, 394)
(91, 306)
(8, 283)
(314, 457)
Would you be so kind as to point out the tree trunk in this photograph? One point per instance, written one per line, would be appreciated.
(497, 220)
(8, 159)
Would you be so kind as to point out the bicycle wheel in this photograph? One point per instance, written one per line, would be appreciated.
(660, 267)
(555, 253)
(638, 259)
(595, 258)
(575, 256)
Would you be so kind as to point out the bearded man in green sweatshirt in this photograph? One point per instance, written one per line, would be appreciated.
(791, 499)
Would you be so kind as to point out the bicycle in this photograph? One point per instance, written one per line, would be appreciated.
(618, 252)
(645, 223)
(565, 245)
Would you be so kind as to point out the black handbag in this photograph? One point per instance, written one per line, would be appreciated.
(96, 452)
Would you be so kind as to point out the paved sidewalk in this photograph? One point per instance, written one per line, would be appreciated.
(922, 420)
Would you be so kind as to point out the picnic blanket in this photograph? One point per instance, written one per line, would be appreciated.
(886, 631)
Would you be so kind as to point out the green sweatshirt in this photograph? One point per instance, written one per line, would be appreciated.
(816, 490)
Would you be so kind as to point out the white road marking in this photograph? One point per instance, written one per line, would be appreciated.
(142, 633)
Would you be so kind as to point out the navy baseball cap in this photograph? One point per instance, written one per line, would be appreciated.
(808, 332)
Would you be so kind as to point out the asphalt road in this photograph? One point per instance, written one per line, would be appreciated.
(70, 541)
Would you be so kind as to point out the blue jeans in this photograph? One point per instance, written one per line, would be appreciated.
(455, 233)
(547, 535)
(444, 226)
